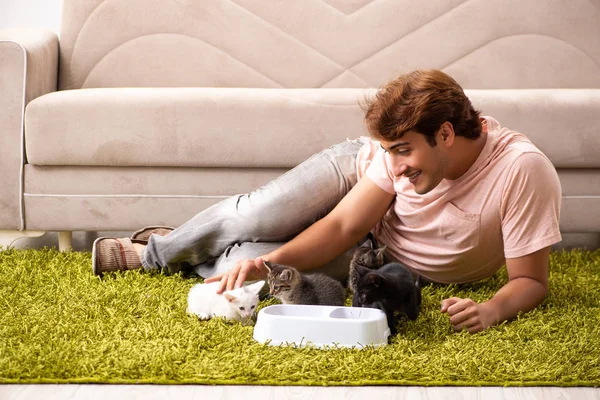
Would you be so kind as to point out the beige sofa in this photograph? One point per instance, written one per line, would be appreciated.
(148, 111)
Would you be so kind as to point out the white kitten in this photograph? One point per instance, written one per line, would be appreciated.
(238, 304)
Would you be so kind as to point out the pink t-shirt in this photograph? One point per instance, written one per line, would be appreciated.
(505, 206)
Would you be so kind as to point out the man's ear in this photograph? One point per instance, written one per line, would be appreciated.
(446, 134)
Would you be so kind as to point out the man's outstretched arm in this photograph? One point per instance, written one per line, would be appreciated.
(357, 213)
(526, 289)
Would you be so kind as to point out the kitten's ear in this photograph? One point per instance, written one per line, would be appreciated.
(375, 279)
(286, 275)
(367, 244)
(380, 254)
(255, 287)
(268, 265)
(361, 270)
(230, 298)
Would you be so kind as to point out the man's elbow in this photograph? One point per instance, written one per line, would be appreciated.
(542, 290)
(537, 288)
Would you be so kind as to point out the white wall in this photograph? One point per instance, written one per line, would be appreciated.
(30, 13)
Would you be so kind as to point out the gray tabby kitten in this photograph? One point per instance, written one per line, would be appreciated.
(291, 286)
(367, 257)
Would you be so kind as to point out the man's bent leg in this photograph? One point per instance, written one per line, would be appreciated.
(275, 212)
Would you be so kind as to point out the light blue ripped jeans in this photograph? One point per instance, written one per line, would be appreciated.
(249, 225)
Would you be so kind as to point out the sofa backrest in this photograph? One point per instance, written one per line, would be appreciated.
(492, 44)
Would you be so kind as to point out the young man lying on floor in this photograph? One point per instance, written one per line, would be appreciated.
(454, 196)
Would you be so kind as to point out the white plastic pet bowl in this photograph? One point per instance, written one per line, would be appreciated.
(321, 326)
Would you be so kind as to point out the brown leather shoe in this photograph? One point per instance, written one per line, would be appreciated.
(112, 254)
(144, 233)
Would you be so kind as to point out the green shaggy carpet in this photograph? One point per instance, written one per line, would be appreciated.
(61, 324)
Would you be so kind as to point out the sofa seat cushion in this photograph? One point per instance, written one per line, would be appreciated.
(269, 128)
(189, 127)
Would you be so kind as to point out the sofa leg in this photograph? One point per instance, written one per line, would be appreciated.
(8, 238)
(65, 240)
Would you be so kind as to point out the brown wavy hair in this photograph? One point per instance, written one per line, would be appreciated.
(421, 101)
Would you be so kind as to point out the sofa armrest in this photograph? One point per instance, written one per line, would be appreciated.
(28, 69)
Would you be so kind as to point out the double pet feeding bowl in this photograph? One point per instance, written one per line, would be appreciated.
(321, 326)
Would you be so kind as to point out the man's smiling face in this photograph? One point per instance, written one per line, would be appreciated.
(413, 157)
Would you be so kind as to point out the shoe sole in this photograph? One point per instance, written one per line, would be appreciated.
(146, 229)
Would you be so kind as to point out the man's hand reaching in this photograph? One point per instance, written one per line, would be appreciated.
(244, 270)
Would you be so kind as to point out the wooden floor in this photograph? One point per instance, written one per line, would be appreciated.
(186, 392)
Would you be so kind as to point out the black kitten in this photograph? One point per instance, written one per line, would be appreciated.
(367, 257)
(391, 289)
